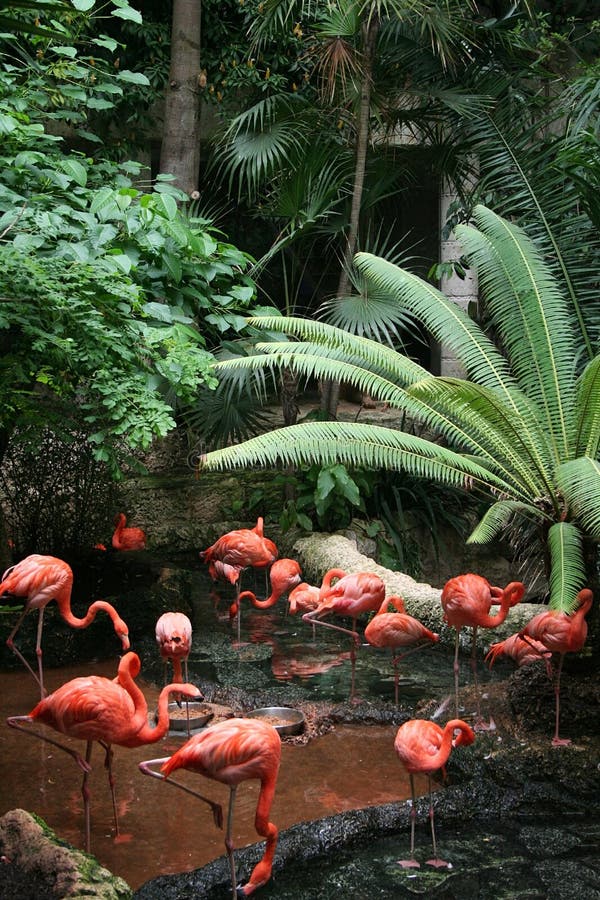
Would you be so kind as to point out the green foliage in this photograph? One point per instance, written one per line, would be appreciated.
(111, 296)
(325, 497)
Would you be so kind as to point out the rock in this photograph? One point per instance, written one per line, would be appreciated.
(35, 863)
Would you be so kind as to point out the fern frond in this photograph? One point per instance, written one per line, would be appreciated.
(567, 571)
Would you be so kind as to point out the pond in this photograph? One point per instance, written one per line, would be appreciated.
(349, 767)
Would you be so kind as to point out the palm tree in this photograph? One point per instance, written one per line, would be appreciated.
(521, 430)
(382, 65)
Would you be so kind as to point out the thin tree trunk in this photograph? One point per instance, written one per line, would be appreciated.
(370, 29)
(180, 150)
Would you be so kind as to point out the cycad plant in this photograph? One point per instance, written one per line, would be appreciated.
(522, 427)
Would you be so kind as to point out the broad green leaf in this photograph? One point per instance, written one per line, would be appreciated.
(567, 570)
(71, 52)
(132, 77)
(75, 169)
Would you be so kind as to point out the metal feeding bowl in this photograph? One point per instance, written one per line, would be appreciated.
(200, 714)
(284, 719)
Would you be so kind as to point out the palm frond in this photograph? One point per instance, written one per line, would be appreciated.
(374, 355)
(498, 517)
(498, 432)
(531, 315)
(587, 433)
(369, 446)
(567, 572)
(447, 322)
(579, 480)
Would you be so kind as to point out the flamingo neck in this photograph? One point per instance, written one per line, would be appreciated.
(139, 724)
(119, 625)
(177, 672)
(506, 601)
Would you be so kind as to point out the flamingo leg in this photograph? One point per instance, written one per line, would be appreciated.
(85, 793)
(556, 740)
(456, 647)
(436, 861)
(228, 841)
(145, 769)
(111, 782)
(411, 863)
(11, 645)
(13, 722)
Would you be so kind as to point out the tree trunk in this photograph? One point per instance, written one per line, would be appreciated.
(370, 29)
(180, 150)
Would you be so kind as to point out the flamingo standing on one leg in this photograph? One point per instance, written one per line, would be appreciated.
(284, 575)
(238, 550)
(397, 630)
(94, 708)
(350, 596)
(422, 746)
(467, 600)
(231, 752)
(40, 579)
(560, 633)
(131, 538)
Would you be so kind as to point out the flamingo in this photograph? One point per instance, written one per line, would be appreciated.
(518, 649)
(422, 746)
(173, 633)
(127, 538)
(467, 600)
(560, 633)
(305, 597)
(40, 579)
(238, 550)
(284, 575)
(350, 596)
(95, 708)
(397, 630)
(231, 752)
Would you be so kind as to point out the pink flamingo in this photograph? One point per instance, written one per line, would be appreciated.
(397, 630)
(40, 579)
(423, 746)
(231, 752)
(127, 538)
(94, 708)
(238, 550)
(560, 633)
(351, 596)
(284, 575)
(467, 600)
(521, 651)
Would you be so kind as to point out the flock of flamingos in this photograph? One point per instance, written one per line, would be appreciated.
(93, 708)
